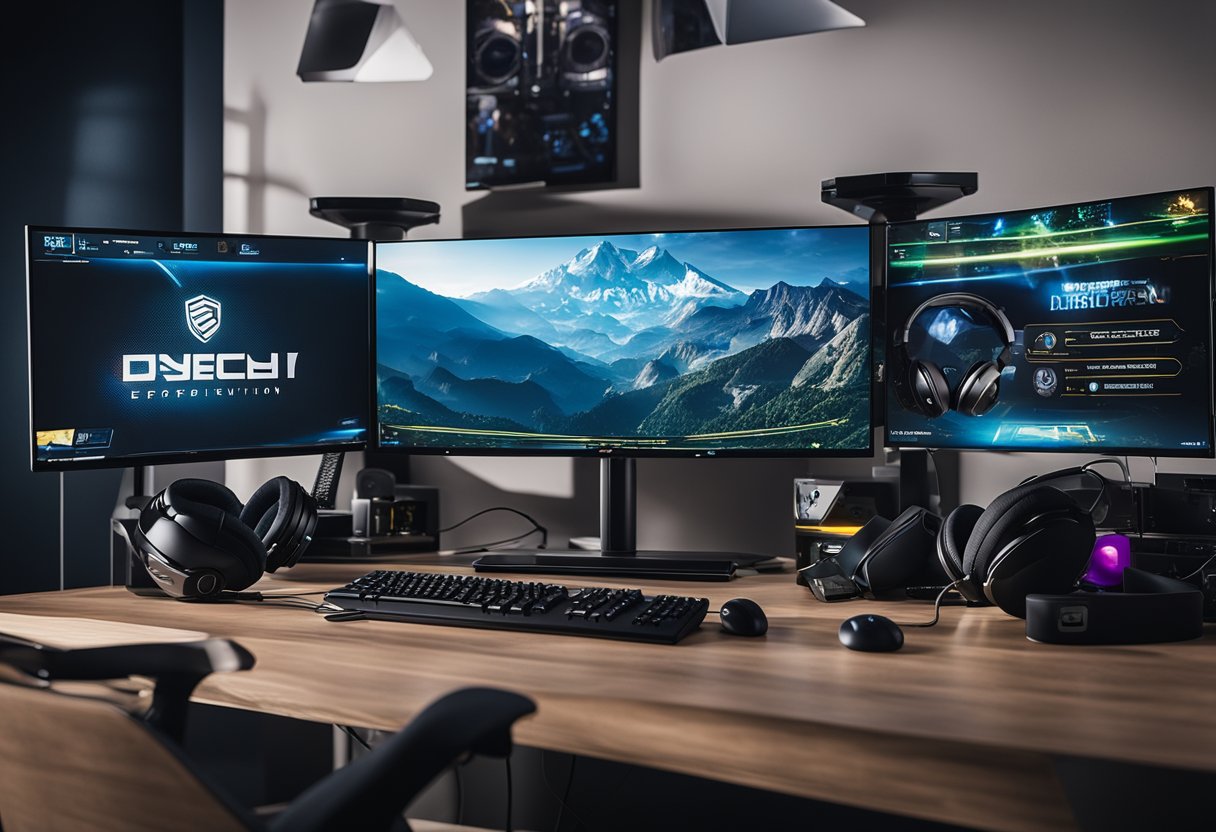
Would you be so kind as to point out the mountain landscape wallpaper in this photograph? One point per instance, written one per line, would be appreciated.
(713, 342)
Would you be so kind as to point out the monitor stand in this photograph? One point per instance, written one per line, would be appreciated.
(619, 556)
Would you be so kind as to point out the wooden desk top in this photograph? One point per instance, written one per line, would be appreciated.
(970, 701)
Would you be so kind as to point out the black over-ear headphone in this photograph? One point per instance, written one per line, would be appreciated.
(197, 540)
(921, 385)
(1032, 539)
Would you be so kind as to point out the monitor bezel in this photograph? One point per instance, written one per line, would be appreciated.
(636, 453)
(181, 457)
(1174, 453)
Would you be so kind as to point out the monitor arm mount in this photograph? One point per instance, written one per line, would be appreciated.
(880, 198)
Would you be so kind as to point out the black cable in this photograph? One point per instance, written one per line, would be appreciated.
(535, 525)
(286, 602)
(459, 795)
(937, 607)
(508, 826)
(937, 477)
(293, 594)
(566, 797)
(485, 547)
(1202, 567)
(475, 515)
(563, 800)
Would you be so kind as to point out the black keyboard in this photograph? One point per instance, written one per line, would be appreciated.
(472, 601)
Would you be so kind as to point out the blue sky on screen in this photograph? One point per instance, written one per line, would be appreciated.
(747, 260)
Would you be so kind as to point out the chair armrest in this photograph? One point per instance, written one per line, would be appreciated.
(373, 791)
(176, 668)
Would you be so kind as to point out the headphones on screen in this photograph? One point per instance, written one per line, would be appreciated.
(921, 386)
(197, 540)
(1034, 538)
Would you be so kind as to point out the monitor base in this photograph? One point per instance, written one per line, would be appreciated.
(676, 566)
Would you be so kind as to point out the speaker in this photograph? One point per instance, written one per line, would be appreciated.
(1151, 609)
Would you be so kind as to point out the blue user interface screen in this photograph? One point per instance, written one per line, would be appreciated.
(717, 342)
(1111, 306)
(148, 347)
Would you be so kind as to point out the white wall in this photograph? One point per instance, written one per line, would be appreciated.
(1049, 101)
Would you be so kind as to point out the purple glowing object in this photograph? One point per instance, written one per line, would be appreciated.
(1111, 554)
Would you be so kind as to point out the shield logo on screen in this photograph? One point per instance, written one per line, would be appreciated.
(203, 317)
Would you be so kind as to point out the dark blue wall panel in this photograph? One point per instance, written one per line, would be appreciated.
(95, 98)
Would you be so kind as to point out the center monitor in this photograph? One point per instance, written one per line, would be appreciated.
(1084, 327)
(707, 343)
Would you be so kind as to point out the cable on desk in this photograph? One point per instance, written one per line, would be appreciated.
(286, 599)
(937, 607)
(459, 793)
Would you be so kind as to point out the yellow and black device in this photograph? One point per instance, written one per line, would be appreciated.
(829, 512)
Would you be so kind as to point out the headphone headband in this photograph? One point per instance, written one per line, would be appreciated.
(964, 300)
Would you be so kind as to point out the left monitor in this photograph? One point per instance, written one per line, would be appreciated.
(151, 348)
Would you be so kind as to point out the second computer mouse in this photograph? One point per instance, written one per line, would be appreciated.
(871, 634)
(743, 617)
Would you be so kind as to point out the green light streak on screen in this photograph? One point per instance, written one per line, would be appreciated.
(1177, 222)
(1031, 253)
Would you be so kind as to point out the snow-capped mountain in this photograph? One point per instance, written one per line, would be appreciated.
(637, 289)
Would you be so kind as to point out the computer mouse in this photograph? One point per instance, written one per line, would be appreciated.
(743, 617)
(871, 634)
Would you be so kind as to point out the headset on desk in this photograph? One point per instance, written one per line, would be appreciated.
(1026, 551)
(198, 541)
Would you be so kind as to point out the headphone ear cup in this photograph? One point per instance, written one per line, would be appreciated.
(953, 537)
(928, 388)
(260, 513)
(202, 498)
(283, 516)
(978, 390)
(1013, 515)
(209, 512)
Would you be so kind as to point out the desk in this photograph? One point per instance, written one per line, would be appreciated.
(960, 726)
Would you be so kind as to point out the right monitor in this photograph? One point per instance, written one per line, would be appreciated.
(1084, 327)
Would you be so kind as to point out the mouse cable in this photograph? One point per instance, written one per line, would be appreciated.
(937, 607)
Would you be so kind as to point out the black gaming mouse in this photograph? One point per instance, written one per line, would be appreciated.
(743, 617)
(871, 634)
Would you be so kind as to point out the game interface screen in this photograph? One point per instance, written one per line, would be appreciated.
(1111, 305)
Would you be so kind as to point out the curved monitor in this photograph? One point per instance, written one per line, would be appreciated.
(149, 348)
(1096, 318)
(709, 343)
